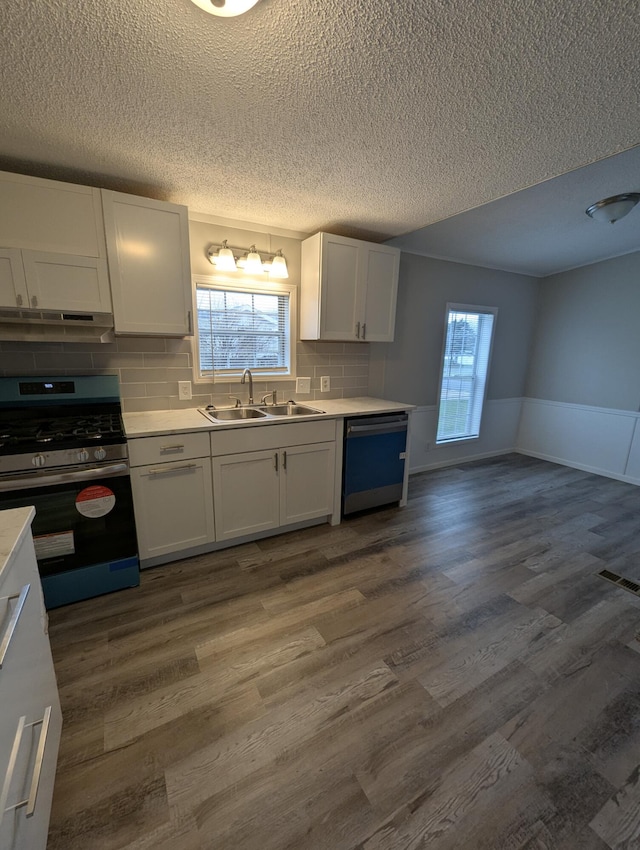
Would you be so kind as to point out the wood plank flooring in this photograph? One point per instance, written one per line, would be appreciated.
(450, 675)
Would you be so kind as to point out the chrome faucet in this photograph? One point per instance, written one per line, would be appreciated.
(243, 379)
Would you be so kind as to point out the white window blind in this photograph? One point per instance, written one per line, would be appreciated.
(465, 366)
(242, 327)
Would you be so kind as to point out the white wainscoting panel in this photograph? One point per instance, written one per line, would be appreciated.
(595, 439)
(498, 434)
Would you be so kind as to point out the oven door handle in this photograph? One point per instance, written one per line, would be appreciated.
(31, 482)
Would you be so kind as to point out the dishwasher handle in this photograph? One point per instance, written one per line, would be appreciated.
(381, 428)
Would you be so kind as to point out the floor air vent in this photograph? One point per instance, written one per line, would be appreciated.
(626, 583)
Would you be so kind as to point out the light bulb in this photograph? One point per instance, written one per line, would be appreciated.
(279, 266)
(254, 262)
(225, 8)
(225, 261)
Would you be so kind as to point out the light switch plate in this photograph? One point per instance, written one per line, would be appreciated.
(303, 385)
(184, 390)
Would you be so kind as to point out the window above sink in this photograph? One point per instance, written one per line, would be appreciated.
(242, 324)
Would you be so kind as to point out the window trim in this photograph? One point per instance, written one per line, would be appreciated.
(454, 307)
(245, 284)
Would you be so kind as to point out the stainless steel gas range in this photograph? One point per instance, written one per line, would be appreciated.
(63, 449)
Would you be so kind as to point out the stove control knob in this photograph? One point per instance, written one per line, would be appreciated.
(82, 456)
(100, 454)
(38, 460)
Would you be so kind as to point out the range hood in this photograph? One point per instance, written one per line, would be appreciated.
(55, 326)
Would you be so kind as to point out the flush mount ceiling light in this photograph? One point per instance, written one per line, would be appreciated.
(609, 210)
(248, 260)
(225, 8)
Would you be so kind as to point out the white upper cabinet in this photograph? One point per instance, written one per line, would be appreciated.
(149, 265)
(349, 289)
(52, 247)
(46, 215)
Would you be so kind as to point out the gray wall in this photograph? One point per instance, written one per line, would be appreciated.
(587, 342)
(408, 369)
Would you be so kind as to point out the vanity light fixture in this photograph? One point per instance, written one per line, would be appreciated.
(229, 259)
(610, 210)
(225, 8)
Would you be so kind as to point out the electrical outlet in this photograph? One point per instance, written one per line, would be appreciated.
(303, 385)
(184, 390)
(325, 384)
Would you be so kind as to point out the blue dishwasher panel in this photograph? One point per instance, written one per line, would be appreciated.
(373, 467)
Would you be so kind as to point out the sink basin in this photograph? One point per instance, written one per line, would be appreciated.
(237, 413)
(289, 410)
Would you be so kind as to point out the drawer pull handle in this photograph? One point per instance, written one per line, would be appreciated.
(30, 801)
(175, 448)
(13, 622)
(162, 471)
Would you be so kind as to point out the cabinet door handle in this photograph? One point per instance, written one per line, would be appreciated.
(357, 330)
(284, 460)
(275, 458)
(189, 322)
(19, 300)
(171, 468)
(175, 448)
(34, 301)
(364, 330)
(13, 622)
(31, 800)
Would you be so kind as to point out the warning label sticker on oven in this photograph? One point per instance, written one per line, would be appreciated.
(95, 501)
(54, 545)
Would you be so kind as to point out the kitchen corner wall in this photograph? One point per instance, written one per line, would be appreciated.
(149, 368)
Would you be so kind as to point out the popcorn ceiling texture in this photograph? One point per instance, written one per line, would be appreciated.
(370, 118)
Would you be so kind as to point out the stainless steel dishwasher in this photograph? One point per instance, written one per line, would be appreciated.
(374, 458)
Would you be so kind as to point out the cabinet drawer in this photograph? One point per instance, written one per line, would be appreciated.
(263, 437)
(171, 447)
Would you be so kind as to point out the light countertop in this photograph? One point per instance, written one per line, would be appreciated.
(155, 422)
(14, 524)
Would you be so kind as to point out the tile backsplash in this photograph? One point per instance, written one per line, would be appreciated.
(149, 370)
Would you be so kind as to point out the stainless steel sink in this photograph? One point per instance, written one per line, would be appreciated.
(289, 410)
(236, 413)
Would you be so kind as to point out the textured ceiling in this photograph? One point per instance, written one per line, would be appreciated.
(371, 117)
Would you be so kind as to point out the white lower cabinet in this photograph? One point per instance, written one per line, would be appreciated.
(197, 490)
(30, 719)
(258, 491)
(173, 499)
(307, 477)
(248, 487)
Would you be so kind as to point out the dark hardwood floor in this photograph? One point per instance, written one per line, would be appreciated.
(454, 674)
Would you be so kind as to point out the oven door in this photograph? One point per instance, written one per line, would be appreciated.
(84, 529)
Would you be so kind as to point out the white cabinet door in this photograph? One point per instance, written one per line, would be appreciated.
(149, 265)
(247, 490)
(13, 286)
(381, 266)
(173, 504)
(47, 215)
(340, 296)
(66, 282)
(307, 482)
(30, 719)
